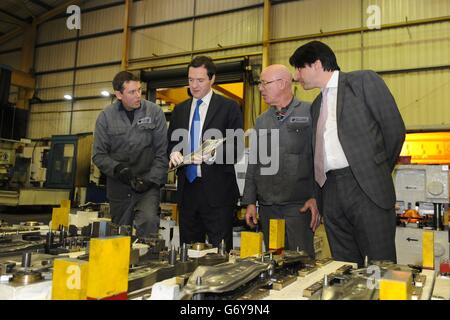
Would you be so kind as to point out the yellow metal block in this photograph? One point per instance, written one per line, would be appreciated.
(60, 216)
(396, 285)
(70, 278)
(65, 204)
(251, 244)
(276, 234)
(428, 249)
(108, 266)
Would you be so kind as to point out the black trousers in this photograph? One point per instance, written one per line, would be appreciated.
(140, 209)
(198, 219)
(356, 227)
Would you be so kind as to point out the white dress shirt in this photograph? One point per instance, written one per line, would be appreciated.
(203, 110)
(334, 154)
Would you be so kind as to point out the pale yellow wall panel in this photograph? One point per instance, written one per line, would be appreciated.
(100, 74)
(54, 57)
(53, 80)
(84, 121)
(94, 89)
(99, 104)
(54, 93)
(209, 6)
(423, 98)
(44, 125)
(102, 20)
(99, 50)
(162, 40)
(393, 11)
(175, 62)
(311, 16)
(237, 53)
(418, 46)
(50, 107)
(11, 59)
(347, 49)
(53, 30)
(96, 3)
(152, 11)
(229, 29)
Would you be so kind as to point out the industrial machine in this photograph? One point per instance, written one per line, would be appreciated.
(27, 253)
(427, 188)
(422, 193)
(23, 167)
(45, 171)
(69, 162)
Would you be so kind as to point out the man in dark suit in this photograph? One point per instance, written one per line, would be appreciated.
(207, 189)
(358, 133)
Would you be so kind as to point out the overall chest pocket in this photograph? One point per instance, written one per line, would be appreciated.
(298, 137)
(144, 133)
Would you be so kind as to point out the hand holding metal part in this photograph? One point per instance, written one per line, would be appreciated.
(204, 153)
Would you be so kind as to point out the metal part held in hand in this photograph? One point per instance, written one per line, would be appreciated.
(366, 262)
(26, 259)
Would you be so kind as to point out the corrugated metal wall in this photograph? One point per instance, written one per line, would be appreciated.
(54, 30)
(228, 29)
(148, 12)
(422, 95)
(163, 28)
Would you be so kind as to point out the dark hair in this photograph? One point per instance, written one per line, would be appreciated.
(312, 51)
(122, 77)
(204, 61)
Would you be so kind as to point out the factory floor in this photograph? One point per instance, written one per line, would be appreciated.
(13, 215)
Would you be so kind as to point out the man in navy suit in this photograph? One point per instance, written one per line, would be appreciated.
(207, 192)
(358, 133)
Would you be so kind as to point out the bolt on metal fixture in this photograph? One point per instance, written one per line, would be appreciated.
(26, 259)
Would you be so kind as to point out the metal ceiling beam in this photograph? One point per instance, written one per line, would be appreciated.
(16, 19)
(42, 18)
(42, 4)
(11, 34)
(56, 11)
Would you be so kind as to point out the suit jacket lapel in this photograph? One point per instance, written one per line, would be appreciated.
(186, 114)
(315, 111)
(212, 109)
(341, 95)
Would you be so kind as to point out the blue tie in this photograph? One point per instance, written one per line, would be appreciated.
(194, 135)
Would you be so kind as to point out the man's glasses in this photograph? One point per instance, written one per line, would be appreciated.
(263, 83)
